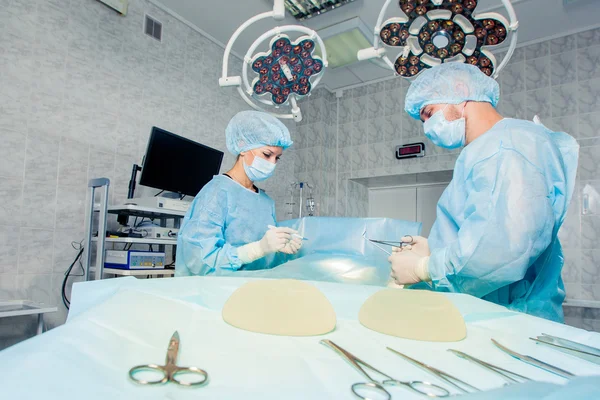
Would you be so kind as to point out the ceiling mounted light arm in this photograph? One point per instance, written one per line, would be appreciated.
(376, 51)
(379, 22)
(277, 14)
(383, 62)
(513, 27)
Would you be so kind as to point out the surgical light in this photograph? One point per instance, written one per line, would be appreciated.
(286, 69)
(431, 32)
(303, 9)
(283, 74)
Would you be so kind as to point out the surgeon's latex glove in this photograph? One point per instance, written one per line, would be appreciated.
(275, 240)
(292, 247)
(409, 268)
(419, 245)
(391, 283)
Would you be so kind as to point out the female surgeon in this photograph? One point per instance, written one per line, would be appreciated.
(230, 224)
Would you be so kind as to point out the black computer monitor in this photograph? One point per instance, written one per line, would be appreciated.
(176, 164)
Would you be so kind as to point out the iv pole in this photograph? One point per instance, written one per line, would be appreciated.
(301, 186)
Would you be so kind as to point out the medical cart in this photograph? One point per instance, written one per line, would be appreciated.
(100, 210)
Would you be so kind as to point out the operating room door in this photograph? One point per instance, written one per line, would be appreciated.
(408, 203)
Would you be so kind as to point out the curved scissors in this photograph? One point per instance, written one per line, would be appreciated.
(421, 387)
(170, 370)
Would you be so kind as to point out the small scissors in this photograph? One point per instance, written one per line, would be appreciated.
(421, 387)
(170, 370)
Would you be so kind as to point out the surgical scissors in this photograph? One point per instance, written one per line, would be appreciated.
(170, 370)
(535, 362)
(451, 380)
(507, 375)
(421, 387)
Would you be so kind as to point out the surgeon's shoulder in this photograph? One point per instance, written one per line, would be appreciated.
(214, 192)
(527, 138)
(534, 140)
(212, 186)
(263, 194)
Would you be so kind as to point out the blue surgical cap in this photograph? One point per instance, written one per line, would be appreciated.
(249, 130)
(450, 83)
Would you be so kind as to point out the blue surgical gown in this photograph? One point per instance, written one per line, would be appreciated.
(495, 235)
(222, 217)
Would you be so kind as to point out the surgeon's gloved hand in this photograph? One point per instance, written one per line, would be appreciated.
(409, 268)
(275, 240)
(419, 245)
(292, 247)
(391, 283)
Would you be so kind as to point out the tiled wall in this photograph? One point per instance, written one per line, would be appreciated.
(354, 136)
(559, 80)
(313, 145)
(81, 86)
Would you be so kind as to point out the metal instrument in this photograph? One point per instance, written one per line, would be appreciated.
(170, 372)
(376, 243)
(451, 380)
(535, 362)
(298, 236)
(372, 384)
(505, 374)
(567, 345)
(293, 234)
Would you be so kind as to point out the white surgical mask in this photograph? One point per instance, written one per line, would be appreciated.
(259, 170)
(444, 133)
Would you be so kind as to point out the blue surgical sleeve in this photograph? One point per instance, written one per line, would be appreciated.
(508, 223)
(201, 241)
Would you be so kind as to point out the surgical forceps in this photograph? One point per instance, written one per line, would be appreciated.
(535, 362)
(170, 370)
(507, 375)
(561, 343)
(421, 387)
(451, 380)
(376, 243)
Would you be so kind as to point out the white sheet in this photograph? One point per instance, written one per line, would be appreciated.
(115, 324)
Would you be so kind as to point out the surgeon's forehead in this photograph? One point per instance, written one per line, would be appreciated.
(273, 149)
